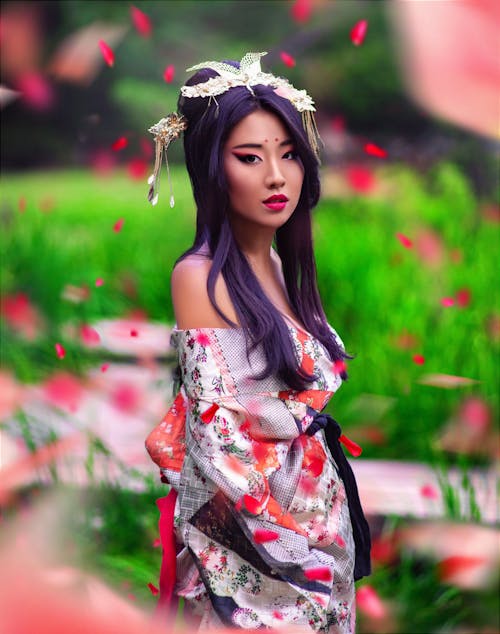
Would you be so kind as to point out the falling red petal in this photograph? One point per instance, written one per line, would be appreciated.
(61, 352)
(63, 390)
(137, 168)
(338, 123)
(475, 413)
(99, 281)
(358, 32)
(463, 297)
(429, 491)
(287, 59)
(118, 225)
(369, 602)
(104, 367)
(322, 573)
(157, 543)
(141, 22)
(406, 242)
(374, 150)
(22, 204)
(107, 53)
(169, 73)
(301, 10)
(339, 366)
(120, 144)
(353, 448)
(447, 381)
(278, 615)
(261, 536)
(126, 397)
(36, 91)
(447, 301)
(134, 333)
(360, 178)
(418, 359)
(153, 588)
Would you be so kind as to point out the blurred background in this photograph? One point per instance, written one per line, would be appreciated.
(407, 246)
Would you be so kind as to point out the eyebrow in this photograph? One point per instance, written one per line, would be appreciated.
(258, 145)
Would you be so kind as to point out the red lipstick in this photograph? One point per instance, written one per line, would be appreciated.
(277, 202)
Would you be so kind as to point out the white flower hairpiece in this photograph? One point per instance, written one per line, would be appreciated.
(248, 74)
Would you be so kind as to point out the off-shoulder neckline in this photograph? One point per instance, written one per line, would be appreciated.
(239, 329)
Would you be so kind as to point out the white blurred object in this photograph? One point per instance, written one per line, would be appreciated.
(450, 56)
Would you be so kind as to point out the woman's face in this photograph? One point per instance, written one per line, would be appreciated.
(263, 172)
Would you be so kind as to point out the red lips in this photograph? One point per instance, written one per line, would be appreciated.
(276, 198)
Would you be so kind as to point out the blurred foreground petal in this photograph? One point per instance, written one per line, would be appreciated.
(446, 381)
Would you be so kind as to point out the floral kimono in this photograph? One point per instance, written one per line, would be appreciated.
(260, 514)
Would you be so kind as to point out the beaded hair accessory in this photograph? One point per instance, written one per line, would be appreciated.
(248, 74)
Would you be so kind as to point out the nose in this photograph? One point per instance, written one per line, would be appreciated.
(274, 177)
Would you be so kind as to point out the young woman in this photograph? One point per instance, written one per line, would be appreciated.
(262, 527)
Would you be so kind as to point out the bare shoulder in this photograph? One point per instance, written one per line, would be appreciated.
(192, 305)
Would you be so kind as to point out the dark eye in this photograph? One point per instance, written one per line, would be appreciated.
(247, 158)
(292, 154)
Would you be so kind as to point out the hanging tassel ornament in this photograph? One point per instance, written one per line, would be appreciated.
(166, 130)
(309, 123)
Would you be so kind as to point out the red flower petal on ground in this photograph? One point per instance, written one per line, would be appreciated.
(301, 10)
(463, 297)
(457, 564)
(89, 336)
(63, 390)
(141, 22)
(137, 169)
(169, 73)
(61, 352)
(429, 491)
(252, 505)
(208, 414)
(360, 178)
(358, 32)
(118, 225)
(261, 536)
(374, 150)
(447, 301)
(406, 242)
(287, 59)
(107, 53)
(370, 603)
(322, 573)
(119, 144)
(418, 359)
(153, 588)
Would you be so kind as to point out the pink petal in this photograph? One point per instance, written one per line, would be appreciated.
(322, 573)
(107, 53)
(455, 565)
(99, 281)
(63, 390)
(301, 10)
(277, 615)
(153, 588)
(61, 352)
(134, 332)
(118, 225)
(157, 543)
(22, 204)
(141, 22)
(374, 150)
(447, 381)
(338, 123)
(360, 178)
(358, 32)
(429, 491)
(262, 536)
(370, 603)
(36, 91)
(476, 413)
(447, 301)
(429, 247)
(287, 59)
(339, 366)
(119, 144)
(169, 73)
(89, 335)
(406, 242)
(104, 367)
(419, 359)
(339, 541)
(126, 397)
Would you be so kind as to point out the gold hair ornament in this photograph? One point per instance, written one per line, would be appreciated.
(165, 131)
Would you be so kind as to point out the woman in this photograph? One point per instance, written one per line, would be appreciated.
(268, 526)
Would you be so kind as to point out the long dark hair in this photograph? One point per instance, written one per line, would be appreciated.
(209, 125)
